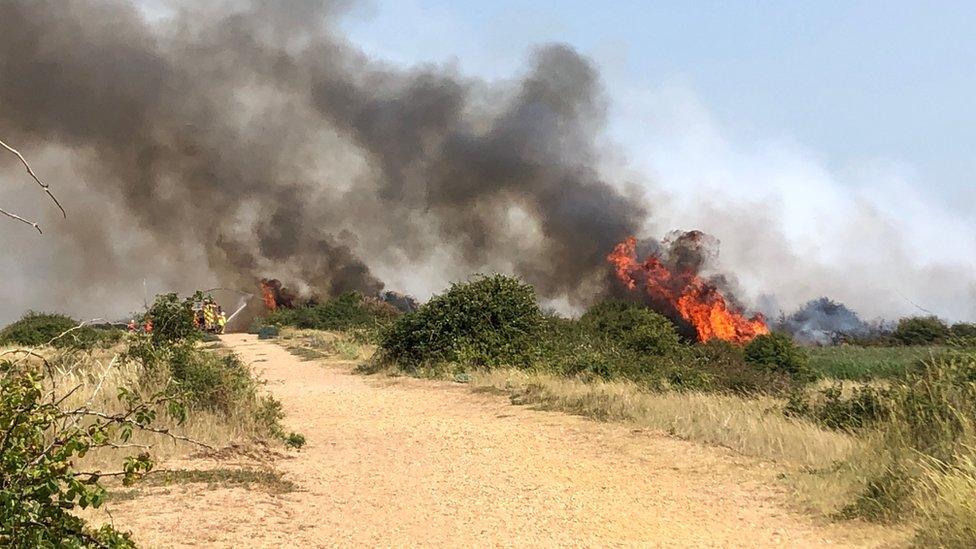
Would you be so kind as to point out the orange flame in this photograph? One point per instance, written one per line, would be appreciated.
(697, 301)
(268, 294)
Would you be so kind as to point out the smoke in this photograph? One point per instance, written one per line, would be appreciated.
(249, 139)
(230, 141)
(793, 227)
(823, 322)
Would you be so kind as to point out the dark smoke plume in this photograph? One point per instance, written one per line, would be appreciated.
(254, 132)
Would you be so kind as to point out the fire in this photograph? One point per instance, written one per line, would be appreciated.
(699, 302)
(268, 294)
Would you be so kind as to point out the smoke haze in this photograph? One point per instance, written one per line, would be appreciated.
(249, 139)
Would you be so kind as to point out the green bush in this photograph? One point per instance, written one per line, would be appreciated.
(172, 319)
(489, 321)
(726, 369)
(345, 312)
(964, 329)
(205, 380)
(925, 460)
(963, 334)
(574, 348)
(35, 329)
(779, 353)
(632, 326)
(921, 330)
(40, 487)
(864, 406)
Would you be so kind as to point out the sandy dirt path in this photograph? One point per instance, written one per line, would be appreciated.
(404, 462)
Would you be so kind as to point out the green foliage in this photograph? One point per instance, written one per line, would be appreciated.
(726, 369)
(963, 335)
(489, 321)
(576, 348)
(928, 436)
(921, 330)
(39, 485)
(633, 327)
(35, 329)
(779, 353)
(964, 329)
(865, 363)
(294, 440)
(172, 319)
(345, 312)
(862, 406)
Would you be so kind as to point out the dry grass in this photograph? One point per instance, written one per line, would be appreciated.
(752, 427)
(946, 504)
(316, 344)
(96, 378)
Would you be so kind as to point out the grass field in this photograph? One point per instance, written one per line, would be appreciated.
(865, 363)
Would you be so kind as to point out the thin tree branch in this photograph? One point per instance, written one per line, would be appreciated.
(44, 186)
(164, 432)
(21, 219)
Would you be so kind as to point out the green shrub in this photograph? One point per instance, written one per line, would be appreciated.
(294, 440)
(964, 329)
(779, 353)
(172, 319)
(634, 327)
(39, 484)
(35, 329)
(347, 311)
(925, 460)
(489, 321)
(573, 348)
(864, 406)
(963, 335)
(726, 369)
(921, 330)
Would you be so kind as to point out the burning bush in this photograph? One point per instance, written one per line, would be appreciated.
(779, 353)
(670, 280)
(489, 321)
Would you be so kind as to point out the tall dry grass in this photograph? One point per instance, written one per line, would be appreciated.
(750, 426)
(93, 379)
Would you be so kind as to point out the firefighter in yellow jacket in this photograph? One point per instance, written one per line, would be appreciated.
(209, 315)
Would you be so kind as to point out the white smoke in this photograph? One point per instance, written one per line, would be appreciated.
(871, 235)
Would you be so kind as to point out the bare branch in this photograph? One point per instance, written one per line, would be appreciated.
(44, 186)
(164, 432)
(21, 219)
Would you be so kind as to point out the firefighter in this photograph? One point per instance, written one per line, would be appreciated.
(221, 319)
(210, 315)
